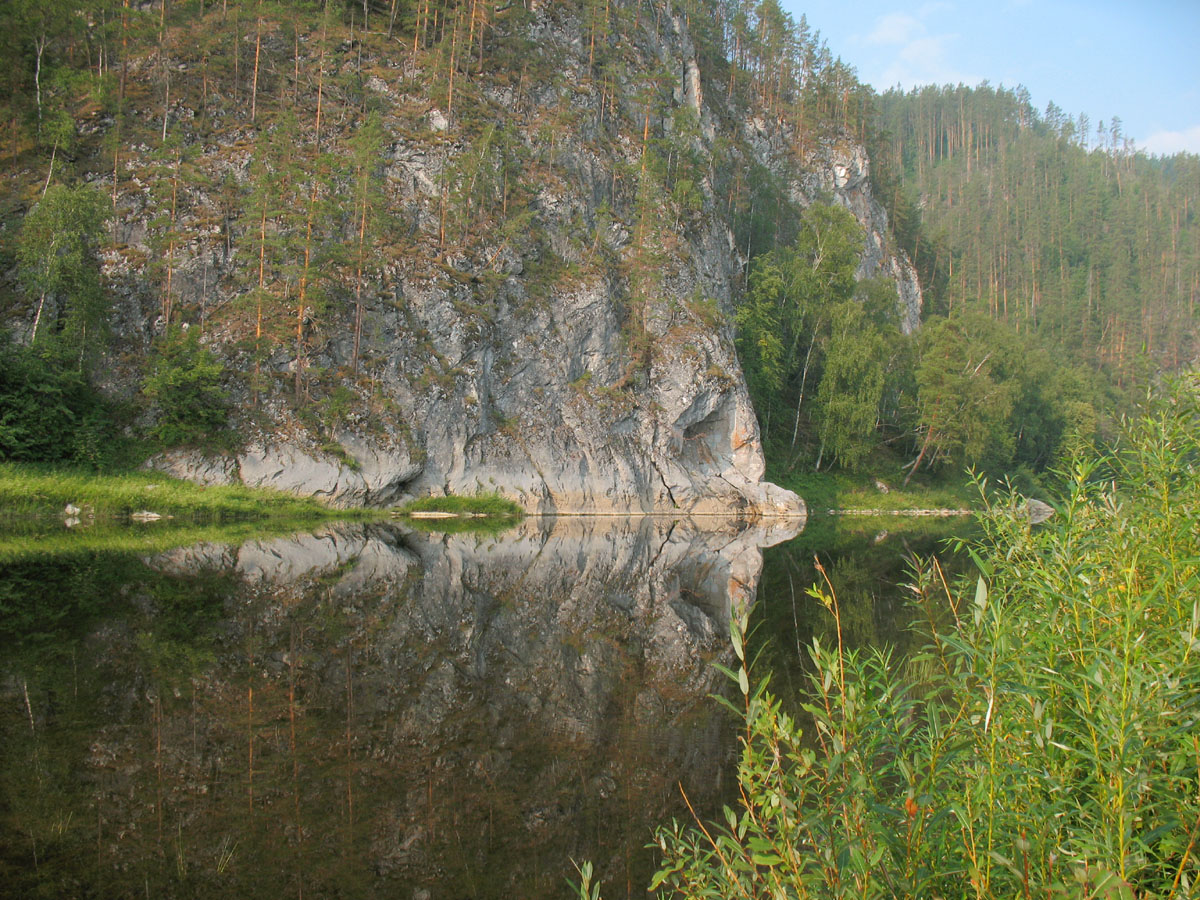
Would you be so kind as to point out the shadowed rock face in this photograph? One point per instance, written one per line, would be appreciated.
(372, 711)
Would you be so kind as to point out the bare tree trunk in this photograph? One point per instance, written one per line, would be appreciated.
(916, 463)
(312, 203)
(257, 54)
(321, 76)
(453, 50)
(167, 305)
(358, 309)
(50, 171)
(38, 317)
(803, 385)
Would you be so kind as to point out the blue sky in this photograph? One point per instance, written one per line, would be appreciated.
(1136, 60)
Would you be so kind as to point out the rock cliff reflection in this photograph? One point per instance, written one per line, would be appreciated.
(371, 711)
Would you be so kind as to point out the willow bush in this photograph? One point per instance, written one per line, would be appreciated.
(1044, 743)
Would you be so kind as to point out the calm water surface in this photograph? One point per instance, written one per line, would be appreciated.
(371, 711)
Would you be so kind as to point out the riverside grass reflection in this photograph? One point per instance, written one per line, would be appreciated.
(364, 710)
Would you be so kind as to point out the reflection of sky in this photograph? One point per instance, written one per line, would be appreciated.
(1105, 58)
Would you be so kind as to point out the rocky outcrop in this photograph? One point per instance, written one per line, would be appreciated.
(841, 170)
(583, 362)
(362, 474)
(846, 175)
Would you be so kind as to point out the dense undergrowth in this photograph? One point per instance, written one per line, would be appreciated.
(1044, 742)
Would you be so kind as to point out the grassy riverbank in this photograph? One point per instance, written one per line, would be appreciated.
(844, 491)
(43, 536)
(30, 490)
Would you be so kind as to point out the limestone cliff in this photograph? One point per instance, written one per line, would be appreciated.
(544, 310)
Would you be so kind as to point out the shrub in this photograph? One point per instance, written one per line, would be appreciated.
(1046, 742)
(48, 411)
(184, 384)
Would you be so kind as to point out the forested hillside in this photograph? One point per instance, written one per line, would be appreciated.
(342, 225)
(1038, 221)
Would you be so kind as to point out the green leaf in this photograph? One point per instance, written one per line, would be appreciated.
(765, 859)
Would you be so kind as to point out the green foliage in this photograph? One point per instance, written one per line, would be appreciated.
(478, 505)
(48, 411)
(57, 261)
(801, 331)
(964, 404)
(992, 399)
(1042, 744)
(184, 385)
(851, 386)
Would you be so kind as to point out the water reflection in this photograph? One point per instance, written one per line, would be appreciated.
(367, 710)
(868, 564)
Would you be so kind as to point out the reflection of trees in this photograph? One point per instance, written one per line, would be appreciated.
(868, 575)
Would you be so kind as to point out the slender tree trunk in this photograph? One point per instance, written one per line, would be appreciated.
(167, 305)
(803, 384)
(312, 204)
(250, 748)
(50, 171)
(453, 50)
(237, 56)
(166, 100)
(257, 54)
(116, 159)
(37, 318)
(321, 77)
(262, 269)
(916, 463)
(358, 274)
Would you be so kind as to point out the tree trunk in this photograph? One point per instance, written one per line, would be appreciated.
(312, 203)
(257, 53)
(40, 46)
(358, 311)
(916, 463)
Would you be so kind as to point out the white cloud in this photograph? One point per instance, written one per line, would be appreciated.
(1165, 143)
(895, 28)
(908, 54)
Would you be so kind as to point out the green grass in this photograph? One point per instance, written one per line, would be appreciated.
(27, 489)
(482, 526)
(839, 490)
(478, 505)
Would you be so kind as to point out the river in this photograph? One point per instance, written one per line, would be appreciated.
(370, 710)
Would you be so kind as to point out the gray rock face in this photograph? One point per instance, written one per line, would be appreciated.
(597, 390)
(196, 466)
(366, 474)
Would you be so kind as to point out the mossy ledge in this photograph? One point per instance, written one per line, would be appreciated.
(32, 490)
(454, 505)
